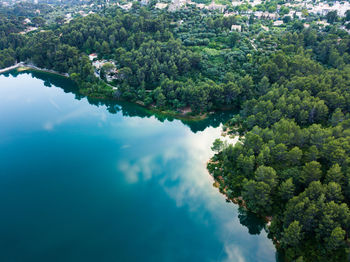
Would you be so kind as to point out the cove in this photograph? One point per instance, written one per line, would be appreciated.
(88, 180)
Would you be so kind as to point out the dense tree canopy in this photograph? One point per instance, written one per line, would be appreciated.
(292, 162)
(290, 85)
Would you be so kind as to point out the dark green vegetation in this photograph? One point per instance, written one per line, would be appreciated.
(293, 160)
(9, 39)
(290, 83)
(155, 67)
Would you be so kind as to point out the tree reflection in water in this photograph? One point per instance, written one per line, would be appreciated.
(254, 223)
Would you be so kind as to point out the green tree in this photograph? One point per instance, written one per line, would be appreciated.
(311, 172)
(105, 48)
(336, 239)
(218, 145)
(257, 196)
(294, 156)
(334, 174)
(287, 189)
(267, 175)
(334, 193)
(292, 235)
(233, 38)
(332, 17)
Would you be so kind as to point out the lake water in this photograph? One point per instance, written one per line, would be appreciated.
(89, 181)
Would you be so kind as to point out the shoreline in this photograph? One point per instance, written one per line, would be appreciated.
(10, 68)
(235, 200)
(22, 67)
(27, 67)
(156, 111)
(219, 182)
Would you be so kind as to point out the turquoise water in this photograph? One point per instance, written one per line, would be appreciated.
(89, 181)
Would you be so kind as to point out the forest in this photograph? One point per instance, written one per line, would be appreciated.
(291, 88)
(157, 66)
(292, 163)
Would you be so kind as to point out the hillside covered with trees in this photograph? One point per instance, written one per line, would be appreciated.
(291, 86)
(292, 163)
(155, 66)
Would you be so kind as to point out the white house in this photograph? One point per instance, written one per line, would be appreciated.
(92, 56)
(236, 28)
(27, 21)
(278, 23)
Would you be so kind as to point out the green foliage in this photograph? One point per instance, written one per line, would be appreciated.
(257, 196)
(218, 145)
(293, 234)
(287, 189)
(332, 17)
(291, 85)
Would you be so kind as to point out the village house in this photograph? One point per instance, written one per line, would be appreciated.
(26, 21)
(111, 72)
(322, 23)
(265, 15)
(201, 6)
(92, 56)
(214, 6)
(278, 23)
(28, 29)
(229, 14)
(126, 6)
(265, 28)
(236, 28)
(161, 5)
(82, 13)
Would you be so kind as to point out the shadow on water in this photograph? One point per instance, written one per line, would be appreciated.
(248, 219)
(126, 108)
(253, 223)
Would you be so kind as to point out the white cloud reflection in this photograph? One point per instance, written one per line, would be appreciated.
(193, 189)
(190, 186)
(78, 113)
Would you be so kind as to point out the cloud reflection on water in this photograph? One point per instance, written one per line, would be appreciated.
(190, 186)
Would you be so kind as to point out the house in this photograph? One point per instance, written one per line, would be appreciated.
(126, 6)
(92, 57)
(82, 13)
(201, 6)
(214, 6)
(265, 28)
(28, 29)
(258, 14)
(236, 28)
(278, 23)
(271, 16)
(27, 21)
(322, 23)
(265, 15)
(228, 14)
(111, 72)
(98, 64)
(161, 5)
